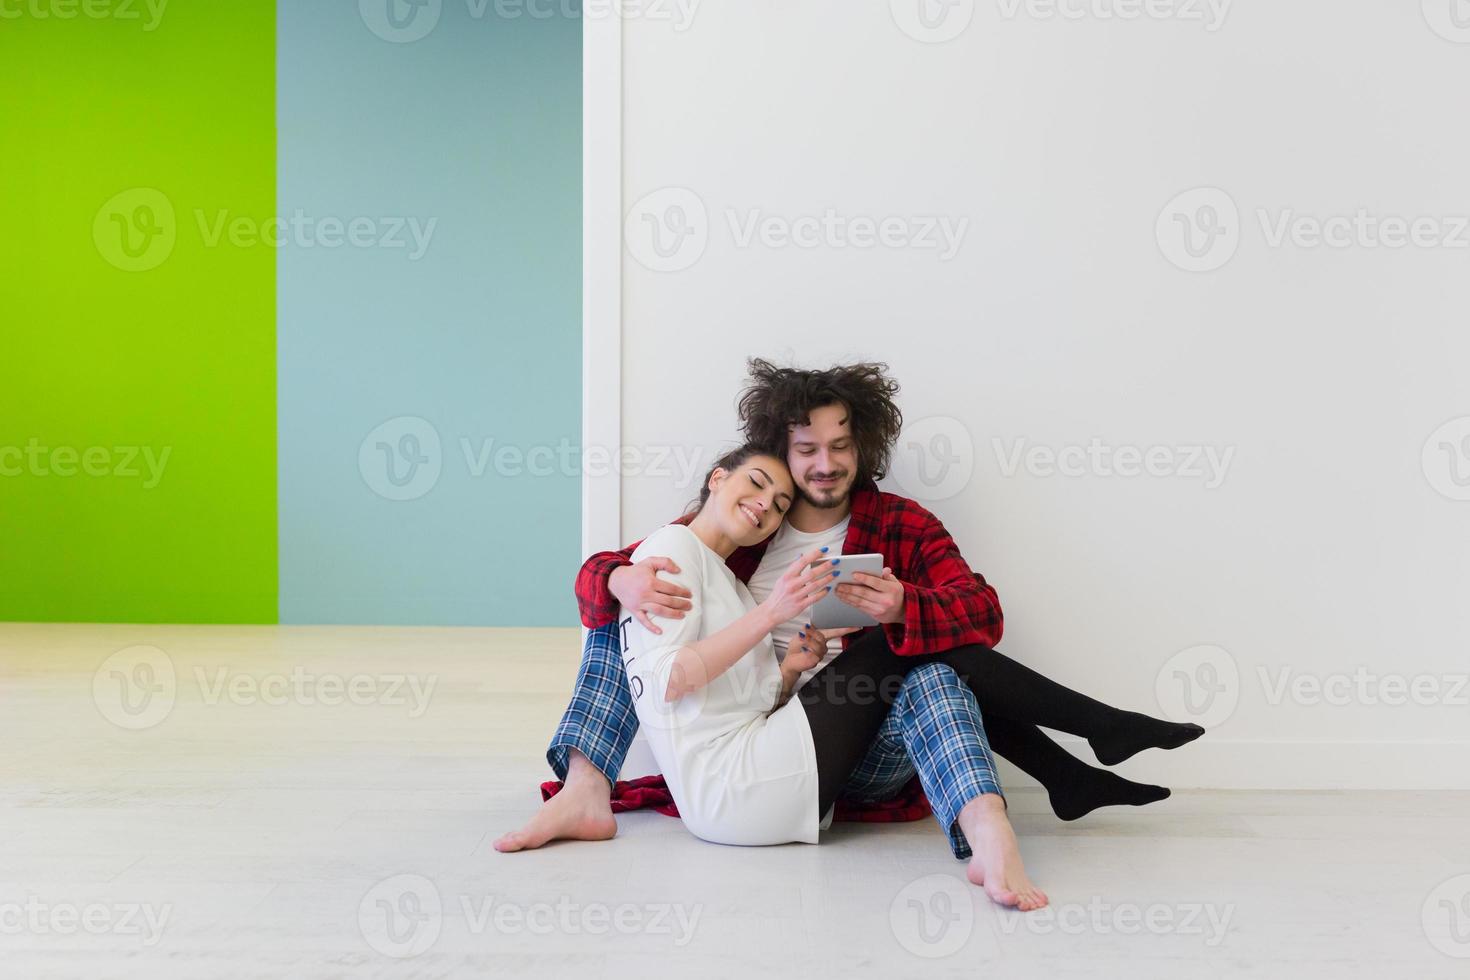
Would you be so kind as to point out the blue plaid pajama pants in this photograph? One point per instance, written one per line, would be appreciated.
(933, 728)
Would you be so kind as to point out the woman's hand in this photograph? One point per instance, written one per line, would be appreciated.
(809, 646)
(799, 588)
(805, 652)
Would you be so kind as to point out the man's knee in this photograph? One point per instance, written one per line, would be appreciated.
(929, 675)
(936, 682)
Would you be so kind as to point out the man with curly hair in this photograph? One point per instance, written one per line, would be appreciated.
(837, 429)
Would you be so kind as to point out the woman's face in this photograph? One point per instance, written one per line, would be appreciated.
(749, 501)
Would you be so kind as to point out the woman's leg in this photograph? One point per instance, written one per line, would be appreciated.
(1074, 788)
(1005, 690)
(1008, 689)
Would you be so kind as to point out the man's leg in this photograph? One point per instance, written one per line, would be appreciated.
(939, 720)
(587, 750)
(934, 728)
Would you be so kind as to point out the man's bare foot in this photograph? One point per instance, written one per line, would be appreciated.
(996, 865)
(581, 811)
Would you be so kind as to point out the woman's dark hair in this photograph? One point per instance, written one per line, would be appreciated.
(776, 398)
(732, 460)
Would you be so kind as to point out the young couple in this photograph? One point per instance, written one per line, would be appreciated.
(761, 723)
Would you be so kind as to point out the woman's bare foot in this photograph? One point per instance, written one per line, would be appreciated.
(996, 865)
(581, 811)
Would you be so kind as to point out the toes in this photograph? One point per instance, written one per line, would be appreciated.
(510, 842)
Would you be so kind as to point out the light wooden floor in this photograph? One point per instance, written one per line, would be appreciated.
(209, 833)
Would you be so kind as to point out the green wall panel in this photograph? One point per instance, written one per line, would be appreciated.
(137, 313)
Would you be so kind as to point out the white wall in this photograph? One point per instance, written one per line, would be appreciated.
(1061, 318)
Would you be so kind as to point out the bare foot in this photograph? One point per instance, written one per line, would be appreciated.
(996, 865)
(581, 811)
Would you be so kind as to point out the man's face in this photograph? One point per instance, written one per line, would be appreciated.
(823, 457)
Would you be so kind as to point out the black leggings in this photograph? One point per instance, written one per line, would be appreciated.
(847, 701)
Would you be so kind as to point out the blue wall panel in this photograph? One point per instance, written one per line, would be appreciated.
(429, 313)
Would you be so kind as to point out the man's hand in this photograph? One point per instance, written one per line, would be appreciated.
(639, 588)
(879, 596)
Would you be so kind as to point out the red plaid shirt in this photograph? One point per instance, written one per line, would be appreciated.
(945, 603)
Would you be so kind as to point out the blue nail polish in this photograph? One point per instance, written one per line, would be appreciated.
(824, 551)
(837, 561)
(829, 588)
(800, 633)
(808, 625)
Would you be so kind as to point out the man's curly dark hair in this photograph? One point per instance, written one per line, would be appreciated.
(776, 398)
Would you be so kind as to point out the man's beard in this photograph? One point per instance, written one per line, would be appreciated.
(833, 499)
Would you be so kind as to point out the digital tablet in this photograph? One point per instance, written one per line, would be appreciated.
(831, 612)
